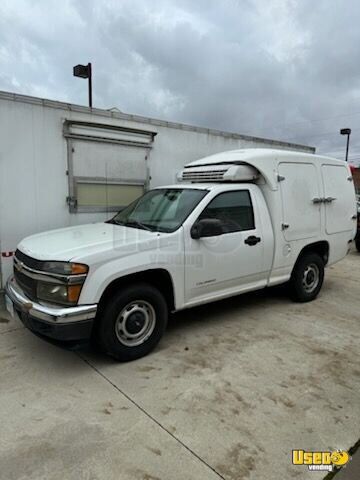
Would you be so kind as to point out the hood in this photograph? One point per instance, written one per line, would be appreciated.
(72, 243)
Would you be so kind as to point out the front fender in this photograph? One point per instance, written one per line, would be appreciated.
(101, 276)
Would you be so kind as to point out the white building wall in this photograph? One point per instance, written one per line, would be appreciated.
(33, 162)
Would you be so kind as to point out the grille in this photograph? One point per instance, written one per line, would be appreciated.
(27, 284)
(29, 261)
(204, 175)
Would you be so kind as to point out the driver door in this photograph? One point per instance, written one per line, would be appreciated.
(232, 262)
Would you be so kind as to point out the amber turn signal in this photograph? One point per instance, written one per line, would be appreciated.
(73, 293)
(77, 268)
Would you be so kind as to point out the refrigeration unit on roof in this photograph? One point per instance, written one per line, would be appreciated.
(218, 173)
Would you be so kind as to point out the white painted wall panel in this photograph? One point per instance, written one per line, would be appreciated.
(33, 163)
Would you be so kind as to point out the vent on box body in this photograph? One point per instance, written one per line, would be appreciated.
(218, 173)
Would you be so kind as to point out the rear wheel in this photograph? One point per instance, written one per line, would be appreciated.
(132, 322)
(307, 277)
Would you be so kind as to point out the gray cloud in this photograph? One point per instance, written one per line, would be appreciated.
(281, 69)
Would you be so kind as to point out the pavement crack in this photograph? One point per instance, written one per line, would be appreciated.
(346, 278)
(352, 450)
(153, 419)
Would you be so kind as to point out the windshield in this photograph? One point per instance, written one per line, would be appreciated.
(162, 210)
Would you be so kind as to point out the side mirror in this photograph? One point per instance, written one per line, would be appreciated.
(207, 227)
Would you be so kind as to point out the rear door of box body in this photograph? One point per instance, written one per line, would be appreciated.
(339, 199)
(300, 189)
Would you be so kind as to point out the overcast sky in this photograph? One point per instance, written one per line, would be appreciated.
(284, 69)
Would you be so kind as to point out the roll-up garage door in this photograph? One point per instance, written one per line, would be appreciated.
(107, 165)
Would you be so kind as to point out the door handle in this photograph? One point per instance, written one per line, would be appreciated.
(329, 199)
(252, 240)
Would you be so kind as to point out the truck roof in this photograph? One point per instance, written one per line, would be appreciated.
(249, 155)
(247, 165)
(197, 186)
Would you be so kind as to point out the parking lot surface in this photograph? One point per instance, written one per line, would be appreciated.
(230, 391)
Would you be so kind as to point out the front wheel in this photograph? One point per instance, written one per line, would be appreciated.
(307, 277)
(132, 322)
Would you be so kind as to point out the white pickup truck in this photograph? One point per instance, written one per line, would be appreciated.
(236, 221)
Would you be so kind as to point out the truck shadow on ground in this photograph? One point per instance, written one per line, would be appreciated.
(202, 318)
(246, 303)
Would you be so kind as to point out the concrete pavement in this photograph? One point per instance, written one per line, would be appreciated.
(230, 391)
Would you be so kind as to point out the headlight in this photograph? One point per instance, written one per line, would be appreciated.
(66, 284)
(65, 268)
(58, 293)
(66, 290)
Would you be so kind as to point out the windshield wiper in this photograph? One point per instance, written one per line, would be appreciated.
(136, 223)
(131, 223)
(114, 222)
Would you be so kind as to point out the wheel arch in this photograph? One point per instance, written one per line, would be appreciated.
(158, 278)
(321, 247)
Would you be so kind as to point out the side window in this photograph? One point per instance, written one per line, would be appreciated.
(233, 209)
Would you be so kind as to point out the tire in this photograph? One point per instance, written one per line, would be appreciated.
(307, 278)
(132, 322)
(357, 243)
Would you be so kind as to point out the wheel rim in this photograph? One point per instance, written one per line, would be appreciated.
(135, 323)
(311, 278)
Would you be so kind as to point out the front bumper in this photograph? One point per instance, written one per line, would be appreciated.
(67, 324)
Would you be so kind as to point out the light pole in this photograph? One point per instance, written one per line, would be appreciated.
(346, 131)
(84, 71)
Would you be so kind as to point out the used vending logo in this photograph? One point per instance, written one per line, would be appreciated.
(320, 460)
